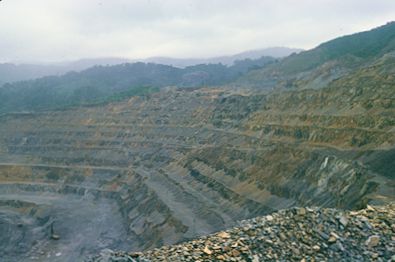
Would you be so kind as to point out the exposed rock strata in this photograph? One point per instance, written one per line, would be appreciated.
(181, 164)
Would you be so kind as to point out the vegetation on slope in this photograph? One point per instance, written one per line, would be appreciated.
(362, 45)
(336, 58)
(103, 84)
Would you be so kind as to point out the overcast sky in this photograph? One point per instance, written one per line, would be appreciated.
(57, 30)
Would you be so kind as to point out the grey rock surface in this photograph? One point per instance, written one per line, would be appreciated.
(368, 236)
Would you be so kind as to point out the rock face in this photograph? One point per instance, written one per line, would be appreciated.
(298, 234)
(177, 165)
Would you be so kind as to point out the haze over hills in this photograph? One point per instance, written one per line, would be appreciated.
(168, 163)
(102, 84)
(276, 52)
(10, 72)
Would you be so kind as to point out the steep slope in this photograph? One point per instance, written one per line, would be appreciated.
(362, 45)
(361, 104)
(173, 165)
(328, 61)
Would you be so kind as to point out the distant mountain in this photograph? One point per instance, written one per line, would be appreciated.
(12, 73)
(86, 63)
(314, 69)
(276, 52)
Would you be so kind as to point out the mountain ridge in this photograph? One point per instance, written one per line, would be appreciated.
(340, 54)
(103, 84)
(11, 72)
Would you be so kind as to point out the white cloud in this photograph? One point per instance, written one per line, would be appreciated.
(51, 30)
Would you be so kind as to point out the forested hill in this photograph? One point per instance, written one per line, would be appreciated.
(313, 69)
(102, 84)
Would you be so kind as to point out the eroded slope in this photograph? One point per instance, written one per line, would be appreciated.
(183, 163)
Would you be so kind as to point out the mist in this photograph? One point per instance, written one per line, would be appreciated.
(64, 30)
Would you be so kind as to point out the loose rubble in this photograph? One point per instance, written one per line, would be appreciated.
(298, 234)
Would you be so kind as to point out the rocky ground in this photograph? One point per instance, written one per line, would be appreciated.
(178, 165)
(298, 234)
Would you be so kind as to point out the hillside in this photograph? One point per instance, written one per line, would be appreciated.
(328, 61)
(180, 164)
(103, 84)
(10, 72)
(137, 172)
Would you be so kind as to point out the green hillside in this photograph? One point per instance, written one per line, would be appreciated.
(102, 84)
(339, 55)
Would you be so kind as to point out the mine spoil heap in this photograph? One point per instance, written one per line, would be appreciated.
(298, 234)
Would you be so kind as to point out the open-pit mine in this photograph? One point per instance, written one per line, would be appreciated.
(170, 167)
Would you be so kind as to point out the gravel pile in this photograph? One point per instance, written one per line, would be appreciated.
(298, 234)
